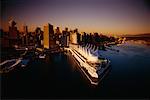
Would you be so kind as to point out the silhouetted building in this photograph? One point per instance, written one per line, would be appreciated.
(57, 31)
(38, 37)
(65, 38)
(31, 38)
(4, 40)
(96, 38)
(13, 29)
(73, 37)
(84, 38)
(25, 35)
(13, 33)
(58, 36)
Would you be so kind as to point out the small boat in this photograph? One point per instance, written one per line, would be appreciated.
(42, 56)
(24, 62)
(9, 65)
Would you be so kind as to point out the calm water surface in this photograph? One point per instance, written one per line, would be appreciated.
(58, 76)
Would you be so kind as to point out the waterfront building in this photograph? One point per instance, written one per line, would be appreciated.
(25, 35)
(38, 37)
(73, 37)
(13, 33)
(4, 41)
(48, 38)
(58, 36)
(65, 38)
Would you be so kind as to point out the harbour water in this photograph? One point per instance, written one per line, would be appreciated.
(58, 77)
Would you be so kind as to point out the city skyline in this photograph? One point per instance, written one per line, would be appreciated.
(69, 49)
(113, 17)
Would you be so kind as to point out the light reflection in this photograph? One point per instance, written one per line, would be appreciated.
(87, 54)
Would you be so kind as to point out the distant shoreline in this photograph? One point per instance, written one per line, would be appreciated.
(139, 38)
(138, 35)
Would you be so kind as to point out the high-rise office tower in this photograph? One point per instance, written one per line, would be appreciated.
(38, 37)
(25, 29)
(25, 35)
(58, 35)
(13, 33)
(12, 29)
(65, 37)
(49, 40)
(73, 37)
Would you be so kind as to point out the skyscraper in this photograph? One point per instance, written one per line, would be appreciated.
(13, 33)
(38, 37)
(73, 37)
(49, 40)
(12, 29)
(57, 35)
(25, 35)
(65, 38)
(25, 29)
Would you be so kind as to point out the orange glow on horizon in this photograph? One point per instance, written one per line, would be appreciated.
(31, 28)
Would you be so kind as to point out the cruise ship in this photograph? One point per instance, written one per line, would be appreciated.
(94, 68)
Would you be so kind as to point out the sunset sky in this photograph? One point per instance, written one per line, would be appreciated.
(106, 16)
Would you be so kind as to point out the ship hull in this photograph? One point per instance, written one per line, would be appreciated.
(85, 73)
